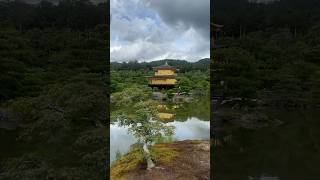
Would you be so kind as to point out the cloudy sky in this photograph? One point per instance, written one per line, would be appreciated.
(147, 30)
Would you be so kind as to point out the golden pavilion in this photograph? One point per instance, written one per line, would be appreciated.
(164, 76)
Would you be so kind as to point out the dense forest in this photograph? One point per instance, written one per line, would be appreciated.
(53, 93)
(268, 52)
(182, 65)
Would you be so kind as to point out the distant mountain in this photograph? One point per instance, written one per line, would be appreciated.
(182, 65)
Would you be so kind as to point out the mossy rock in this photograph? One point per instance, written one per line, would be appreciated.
(129, 162)
(162, 153)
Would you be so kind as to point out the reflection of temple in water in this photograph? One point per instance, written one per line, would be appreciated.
(165, 116)
(163, 112)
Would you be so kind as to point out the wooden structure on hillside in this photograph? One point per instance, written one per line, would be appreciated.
(216, 29)
(164, 76)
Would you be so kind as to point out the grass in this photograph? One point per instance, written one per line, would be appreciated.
(163, 153)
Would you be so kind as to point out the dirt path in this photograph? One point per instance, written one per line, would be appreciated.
(193, 162)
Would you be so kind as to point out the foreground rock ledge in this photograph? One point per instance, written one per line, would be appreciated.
(190, 160)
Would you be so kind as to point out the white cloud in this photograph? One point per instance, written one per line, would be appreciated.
(139, 32)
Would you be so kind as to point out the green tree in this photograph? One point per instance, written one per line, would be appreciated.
(184, 83)
(145, 125)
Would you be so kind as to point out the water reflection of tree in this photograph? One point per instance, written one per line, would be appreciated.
(199, 108)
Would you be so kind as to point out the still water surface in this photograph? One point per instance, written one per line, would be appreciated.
(290, 151)
(192, 128)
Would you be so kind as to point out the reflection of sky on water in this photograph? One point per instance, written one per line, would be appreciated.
(192, 128)
(120, 140)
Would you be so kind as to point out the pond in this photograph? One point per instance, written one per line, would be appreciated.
(187, 127)
(288, 151)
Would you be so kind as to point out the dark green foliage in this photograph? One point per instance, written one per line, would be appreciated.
(237, 70)
(54, 80)
(271, 52)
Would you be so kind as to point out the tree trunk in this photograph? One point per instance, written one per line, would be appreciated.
(148, 157)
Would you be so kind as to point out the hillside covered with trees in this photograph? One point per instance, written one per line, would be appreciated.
(182, 65)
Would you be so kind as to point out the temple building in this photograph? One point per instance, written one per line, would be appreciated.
(164, 76)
